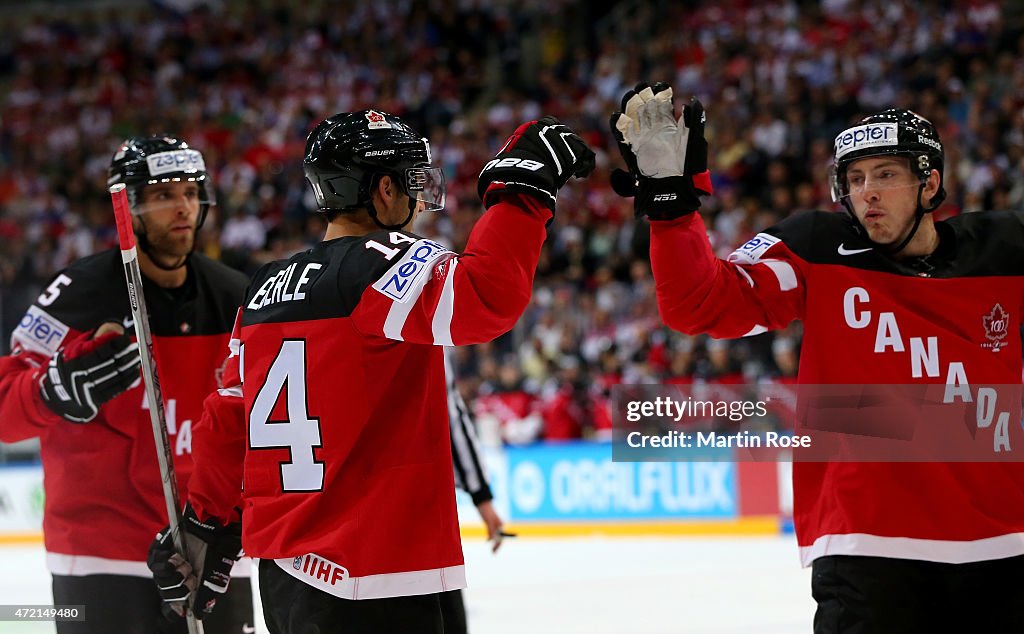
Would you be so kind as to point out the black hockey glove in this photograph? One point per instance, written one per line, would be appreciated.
(667, 158)
(87, 373)
(212, 551)
(537, 159)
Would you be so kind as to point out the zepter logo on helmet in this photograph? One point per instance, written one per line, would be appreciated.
(142, 161)
(892, 132)
(346, 155)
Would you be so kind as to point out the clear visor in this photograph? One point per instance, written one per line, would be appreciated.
(856, 182)
(171, 192)
(426, 185)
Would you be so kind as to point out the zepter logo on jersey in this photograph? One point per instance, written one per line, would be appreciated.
(753, 249)
(39, 331)
(408, 273)
(865, 136)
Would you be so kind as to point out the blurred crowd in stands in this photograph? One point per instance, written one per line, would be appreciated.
(245, 81)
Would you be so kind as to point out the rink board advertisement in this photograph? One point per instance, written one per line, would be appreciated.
(21, 500)
(579, 481)
(576, 484)
(569, 485)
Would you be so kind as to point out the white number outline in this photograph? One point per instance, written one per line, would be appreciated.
(53, 290)
(300, 433)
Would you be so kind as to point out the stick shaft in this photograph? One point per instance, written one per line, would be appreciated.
(154, 396)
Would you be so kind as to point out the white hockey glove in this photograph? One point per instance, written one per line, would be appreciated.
(667, 158)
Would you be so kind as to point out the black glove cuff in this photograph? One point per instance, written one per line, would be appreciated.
(496, 190)
(210, 530)
(665, 198)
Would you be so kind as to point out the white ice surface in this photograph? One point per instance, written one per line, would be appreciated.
(728, 585)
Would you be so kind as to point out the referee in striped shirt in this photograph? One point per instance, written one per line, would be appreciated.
(471, 477)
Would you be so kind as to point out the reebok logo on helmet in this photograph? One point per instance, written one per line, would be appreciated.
(932, 142)
(865, 136)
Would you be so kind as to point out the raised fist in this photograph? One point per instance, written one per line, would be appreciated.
(537, 160)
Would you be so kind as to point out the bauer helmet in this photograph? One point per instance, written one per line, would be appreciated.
(346, 155)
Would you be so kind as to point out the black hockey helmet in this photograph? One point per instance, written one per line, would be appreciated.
(142, 161)
(347, 153)
(896, 132)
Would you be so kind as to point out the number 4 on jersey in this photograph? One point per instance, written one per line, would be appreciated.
(299, 433)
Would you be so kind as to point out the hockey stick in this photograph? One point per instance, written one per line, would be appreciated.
(132, 274)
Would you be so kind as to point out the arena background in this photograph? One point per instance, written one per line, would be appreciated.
(245, 81)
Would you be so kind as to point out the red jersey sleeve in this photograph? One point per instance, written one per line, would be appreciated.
(63, 312)
(22, 412)
(219, 443)
(759, 288)
(461, 299)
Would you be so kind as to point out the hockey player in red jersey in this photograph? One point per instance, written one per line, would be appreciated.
(333, 417)
(887, 295)
(104, 498)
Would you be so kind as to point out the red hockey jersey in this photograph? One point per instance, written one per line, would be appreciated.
(104, 498)
(341, 417)
(869, 319)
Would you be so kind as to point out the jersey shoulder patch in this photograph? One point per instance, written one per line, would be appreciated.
(752, 250)
(77, 298)
(40, 332)
(412, 270)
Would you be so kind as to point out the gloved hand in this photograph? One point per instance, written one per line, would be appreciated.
(537, 159)
(88, 372)
(212, 551)
(667, 158)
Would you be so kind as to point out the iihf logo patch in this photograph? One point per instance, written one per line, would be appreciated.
(297, 563)
(376, 120)
(997, 324)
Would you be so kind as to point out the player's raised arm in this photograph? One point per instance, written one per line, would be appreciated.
(758, 288)
(432, 295)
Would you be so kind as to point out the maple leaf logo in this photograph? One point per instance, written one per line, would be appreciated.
(376, 120)
(996, 323)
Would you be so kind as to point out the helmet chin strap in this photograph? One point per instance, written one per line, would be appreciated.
(370, 209)
(918, 217)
